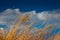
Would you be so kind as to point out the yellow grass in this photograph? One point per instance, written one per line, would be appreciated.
(27, 34)
(57, 37)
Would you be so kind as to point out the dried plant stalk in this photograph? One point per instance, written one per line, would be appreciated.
(28, 34)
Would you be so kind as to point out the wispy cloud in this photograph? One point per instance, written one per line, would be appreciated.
(9, 16)
(47, 15)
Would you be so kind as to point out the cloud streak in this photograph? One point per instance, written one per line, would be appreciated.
(47, 15)
(9, 16)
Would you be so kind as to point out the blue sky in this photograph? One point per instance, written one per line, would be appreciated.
(29, 5)
(44, 11)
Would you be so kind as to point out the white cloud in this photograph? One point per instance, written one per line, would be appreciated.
(42, 15)
(48, 15)
(10, 15)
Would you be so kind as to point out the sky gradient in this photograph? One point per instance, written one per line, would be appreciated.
(42, 11)
(29, 5)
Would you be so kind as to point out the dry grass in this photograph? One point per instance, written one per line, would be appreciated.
(27, 34)
(57, 37)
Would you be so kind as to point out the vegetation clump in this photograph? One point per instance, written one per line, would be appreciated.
(28, 33)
